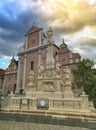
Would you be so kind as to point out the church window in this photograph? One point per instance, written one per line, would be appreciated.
(15, 77)
(71, 60)
(9, 78)
(32, 65)
(70, 54)
(63, 59)
(77, 60)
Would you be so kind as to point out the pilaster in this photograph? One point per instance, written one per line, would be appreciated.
(24, 72)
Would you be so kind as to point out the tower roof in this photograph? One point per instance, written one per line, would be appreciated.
(63, 43)
(33, 29)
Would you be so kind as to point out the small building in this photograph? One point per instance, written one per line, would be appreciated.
(10, 78)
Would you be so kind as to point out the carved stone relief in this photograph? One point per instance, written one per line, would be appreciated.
(48, 86)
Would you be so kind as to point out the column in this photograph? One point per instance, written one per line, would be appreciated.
(49, 57)
(18, 75)
(40, 36)
(26, 42)
(24, 72)
(39, 58)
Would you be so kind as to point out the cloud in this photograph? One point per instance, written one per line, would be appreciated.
(85, 46)
(90, 42)
(69, 16)
(70, 19)
(15, 20)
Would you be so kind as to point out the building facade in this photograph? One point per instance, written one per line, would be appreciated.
(35, 48)
(2, 72)
(10, 78)
(45, 89)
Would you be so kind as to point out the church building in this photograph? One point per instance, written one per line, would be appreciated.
(10, 78)
(35, 48)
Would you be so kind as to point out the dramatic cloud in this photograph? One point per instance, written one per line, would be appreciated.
(85, 46)
(73, 20)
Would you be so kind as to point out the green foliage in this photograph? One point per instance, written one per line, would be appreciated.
(94, 102)
(93, 93)
(86, 77)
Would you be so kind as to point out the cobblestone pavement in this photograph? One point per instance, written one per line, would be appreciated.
(12, 125)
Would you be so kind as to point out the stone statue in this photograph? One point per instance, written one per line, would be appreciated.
(58, 68)
(31, 76)
(31, 79)
(67, 74)
(48, 86)
(67, 70)
(50, 35)
(40, 70)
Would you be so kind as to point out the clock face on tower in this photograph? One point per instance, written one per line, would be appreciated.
(33, 40)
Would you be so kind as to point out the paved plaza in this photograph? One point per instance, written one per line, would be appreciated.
(12, 125)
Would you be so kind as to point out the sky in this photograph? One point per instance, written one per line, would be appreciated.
(73, 20)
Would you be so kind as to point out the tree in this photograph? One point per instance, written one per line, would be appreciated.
(85, 76)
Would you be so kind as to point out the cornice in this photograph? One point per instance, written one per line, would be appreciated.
(36, 48)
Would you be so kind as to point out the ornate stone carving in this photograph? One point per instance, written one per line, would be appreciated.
(67, 74)
(68, 92)
(31, 76)
(58, 68)
(31, 79)
(40, 70)
(48, 86)
(50, 35)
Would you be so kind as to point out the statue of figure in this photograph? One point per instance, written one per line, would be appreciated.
(67, 73)
(49, 35)
(32, 84)
(31, 76)
(31, 79)
(41, 68)
(58, 68)
(67, 70)
(48, 86)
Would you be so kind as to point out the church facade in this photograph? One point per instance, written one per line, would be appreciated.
(35, 48)
(2, 72)
(44, 85)
(10, 78)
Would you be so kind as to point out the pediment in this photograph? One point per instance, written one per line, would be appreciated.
(33, 29)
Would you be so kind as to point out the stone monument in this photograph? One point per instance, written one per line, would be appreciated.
(48, 91)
